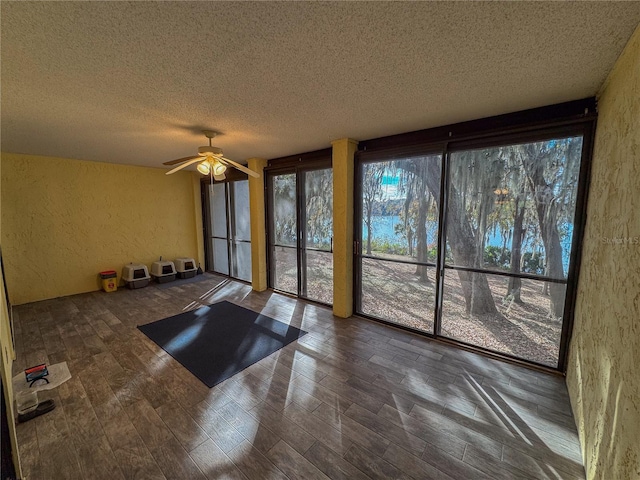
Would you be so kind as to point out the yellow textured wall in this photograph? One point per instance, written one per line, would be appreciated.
(343, 162)
(6, 363)
(604, 364)
(63, 221)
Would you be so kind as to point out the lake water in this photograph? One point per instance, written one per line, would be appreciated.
(384, 230)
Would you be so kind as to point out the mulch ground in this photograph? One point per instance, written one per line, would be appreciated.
(392, 291)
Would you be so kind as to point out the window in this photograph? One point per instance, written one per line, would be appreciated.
(399, 226)
(509, 223)
(228, 246)
(477, 237)
(301, 233)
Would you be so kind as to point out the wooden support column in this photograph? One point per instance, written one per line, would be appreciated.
(258, 227)
(343, 167)
(197, 205)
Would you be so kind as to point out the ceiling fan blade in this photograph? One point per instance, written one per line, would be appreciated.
(185, 164)
(180, 160)
(242, 168)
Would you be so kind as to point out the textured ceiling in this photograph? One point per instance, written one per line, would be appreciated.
(136, 82)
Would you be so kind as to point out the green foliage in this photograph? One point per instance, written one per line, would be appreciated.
(391, 247)
(387, 246)
(497, 257)
(432, 255)
(532, 263)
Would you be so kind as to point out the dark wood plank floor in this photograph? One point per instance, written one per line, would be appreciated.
(353, 399)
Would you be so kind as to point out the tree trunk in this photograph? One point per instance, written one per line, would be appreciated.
(368, 222)
(407, 225)
(480, 239)
(513, 289)
(421, 237)
(547, 214)
(371, 184)
(553, 250)
(475, 287)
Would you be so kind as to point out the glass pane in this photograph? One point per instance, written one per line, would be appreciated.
(320, 276)
(218, 209)
(511, 208)
(241, 217)
(284, 210)
(220, 256)
(318, 195)
(318, 225)
(399, 293)
(527, 324)
(400, 208)
(241, 261)
(400, 222)
(285, 269)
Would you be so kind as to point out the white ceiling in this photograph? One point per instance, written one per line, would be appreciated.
(136, 82)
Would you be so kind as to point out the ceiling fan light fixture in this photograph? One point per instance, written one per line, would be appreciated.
(219, 168)
(210, 161)
(204, 168)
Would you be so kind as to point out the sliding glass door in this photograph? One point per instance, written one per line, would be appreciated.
(398, 232)
(218, 245)
(284, 233)
(301, 233)
(509, 228)
(491, 268)
(228, 228)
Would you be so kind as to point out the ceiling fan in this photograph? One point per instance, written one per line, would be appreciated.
(210, 161)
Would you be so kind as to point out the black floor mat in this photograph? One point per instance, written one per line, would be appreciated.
(217, 341)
